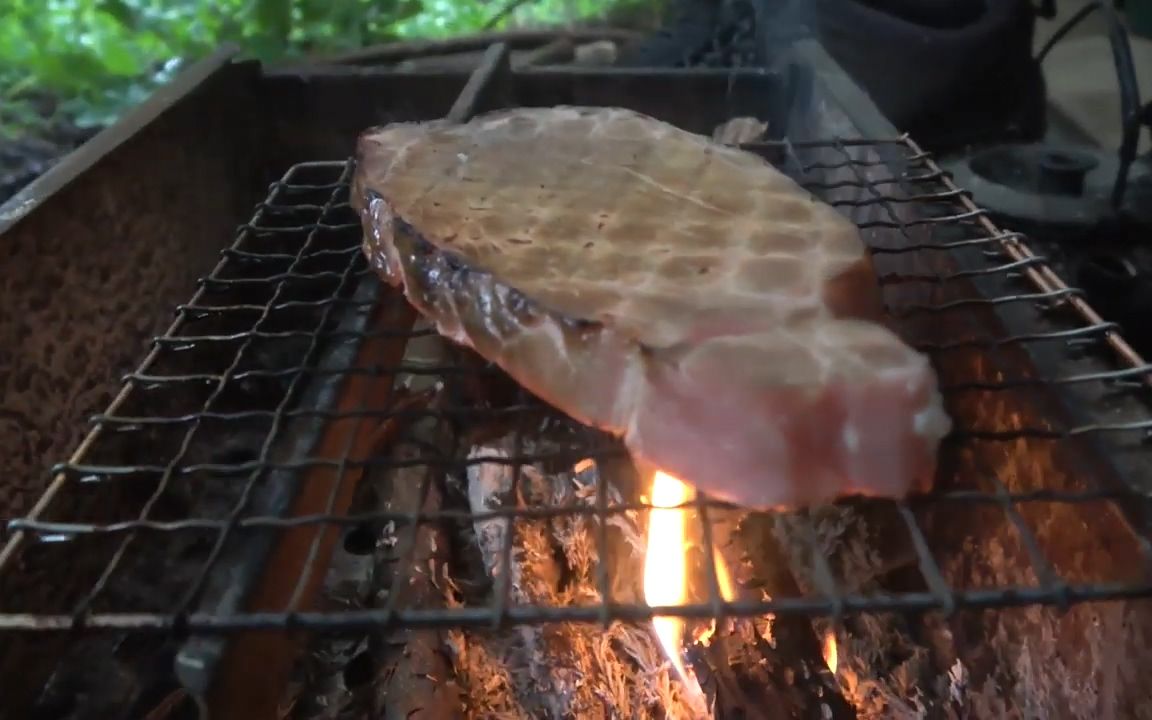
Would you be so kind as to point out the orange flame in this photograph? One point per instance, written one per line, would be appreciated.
(727, 591)
(723, 577)
(831, 652)
(665, 567)
(666, 572)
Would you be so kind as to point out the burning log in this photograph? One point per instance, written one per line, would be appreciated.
(414, 678)
(568, 669)
(786, 664)
(401, 673)
(318, 689)
(885, 671)
(749, 667)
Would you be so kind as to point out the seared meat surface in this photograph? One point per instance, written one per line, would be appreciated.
(679, 293)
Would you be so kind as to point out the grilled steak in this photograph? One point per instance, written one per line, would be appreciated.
(650, 282)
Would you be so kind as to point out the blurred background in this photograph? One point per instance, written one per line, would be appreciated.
(70, 67)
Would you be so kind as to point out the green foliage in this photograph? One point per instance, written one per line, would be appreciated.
(104, 54)
(101, 56)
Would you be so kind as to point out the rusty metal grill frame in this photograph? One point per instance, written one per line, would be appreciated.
(305, 236)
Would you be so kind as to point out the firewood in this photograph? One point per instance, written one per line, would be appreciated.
(800, 677)
(884, 671)
(560, 670)
(413, 677)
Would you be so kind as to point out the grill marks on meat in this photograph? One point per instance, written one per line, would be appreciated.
(650, 282)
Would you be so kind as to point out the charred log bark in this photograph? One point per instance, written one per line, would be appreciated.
(783, 668)
(560, 670)
(414, 679)
(886, 667)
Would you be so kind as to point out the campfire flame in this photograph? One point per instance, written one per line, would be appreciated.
(831, 652)
(666, 571)
(723, 577)
(666, 567)
(666, 582)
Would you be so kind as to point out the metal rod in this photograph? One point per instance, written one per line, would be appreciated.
(477, 617)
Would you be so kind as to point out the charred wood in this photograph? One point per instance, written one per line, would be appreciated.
(413, 679)
(560, 670)
(801, 677)
(887, 668)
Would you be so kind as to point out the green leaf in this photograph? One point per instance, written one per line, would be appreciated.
(274, 18)
(119, 11)
(406, 9)
(102, 55)
(118, 60)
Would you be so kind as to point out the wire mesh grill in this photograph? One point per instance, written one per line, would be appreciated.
(206, 451)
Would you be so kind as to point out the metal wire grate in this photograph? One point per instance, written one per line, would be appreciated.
(229, 420)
